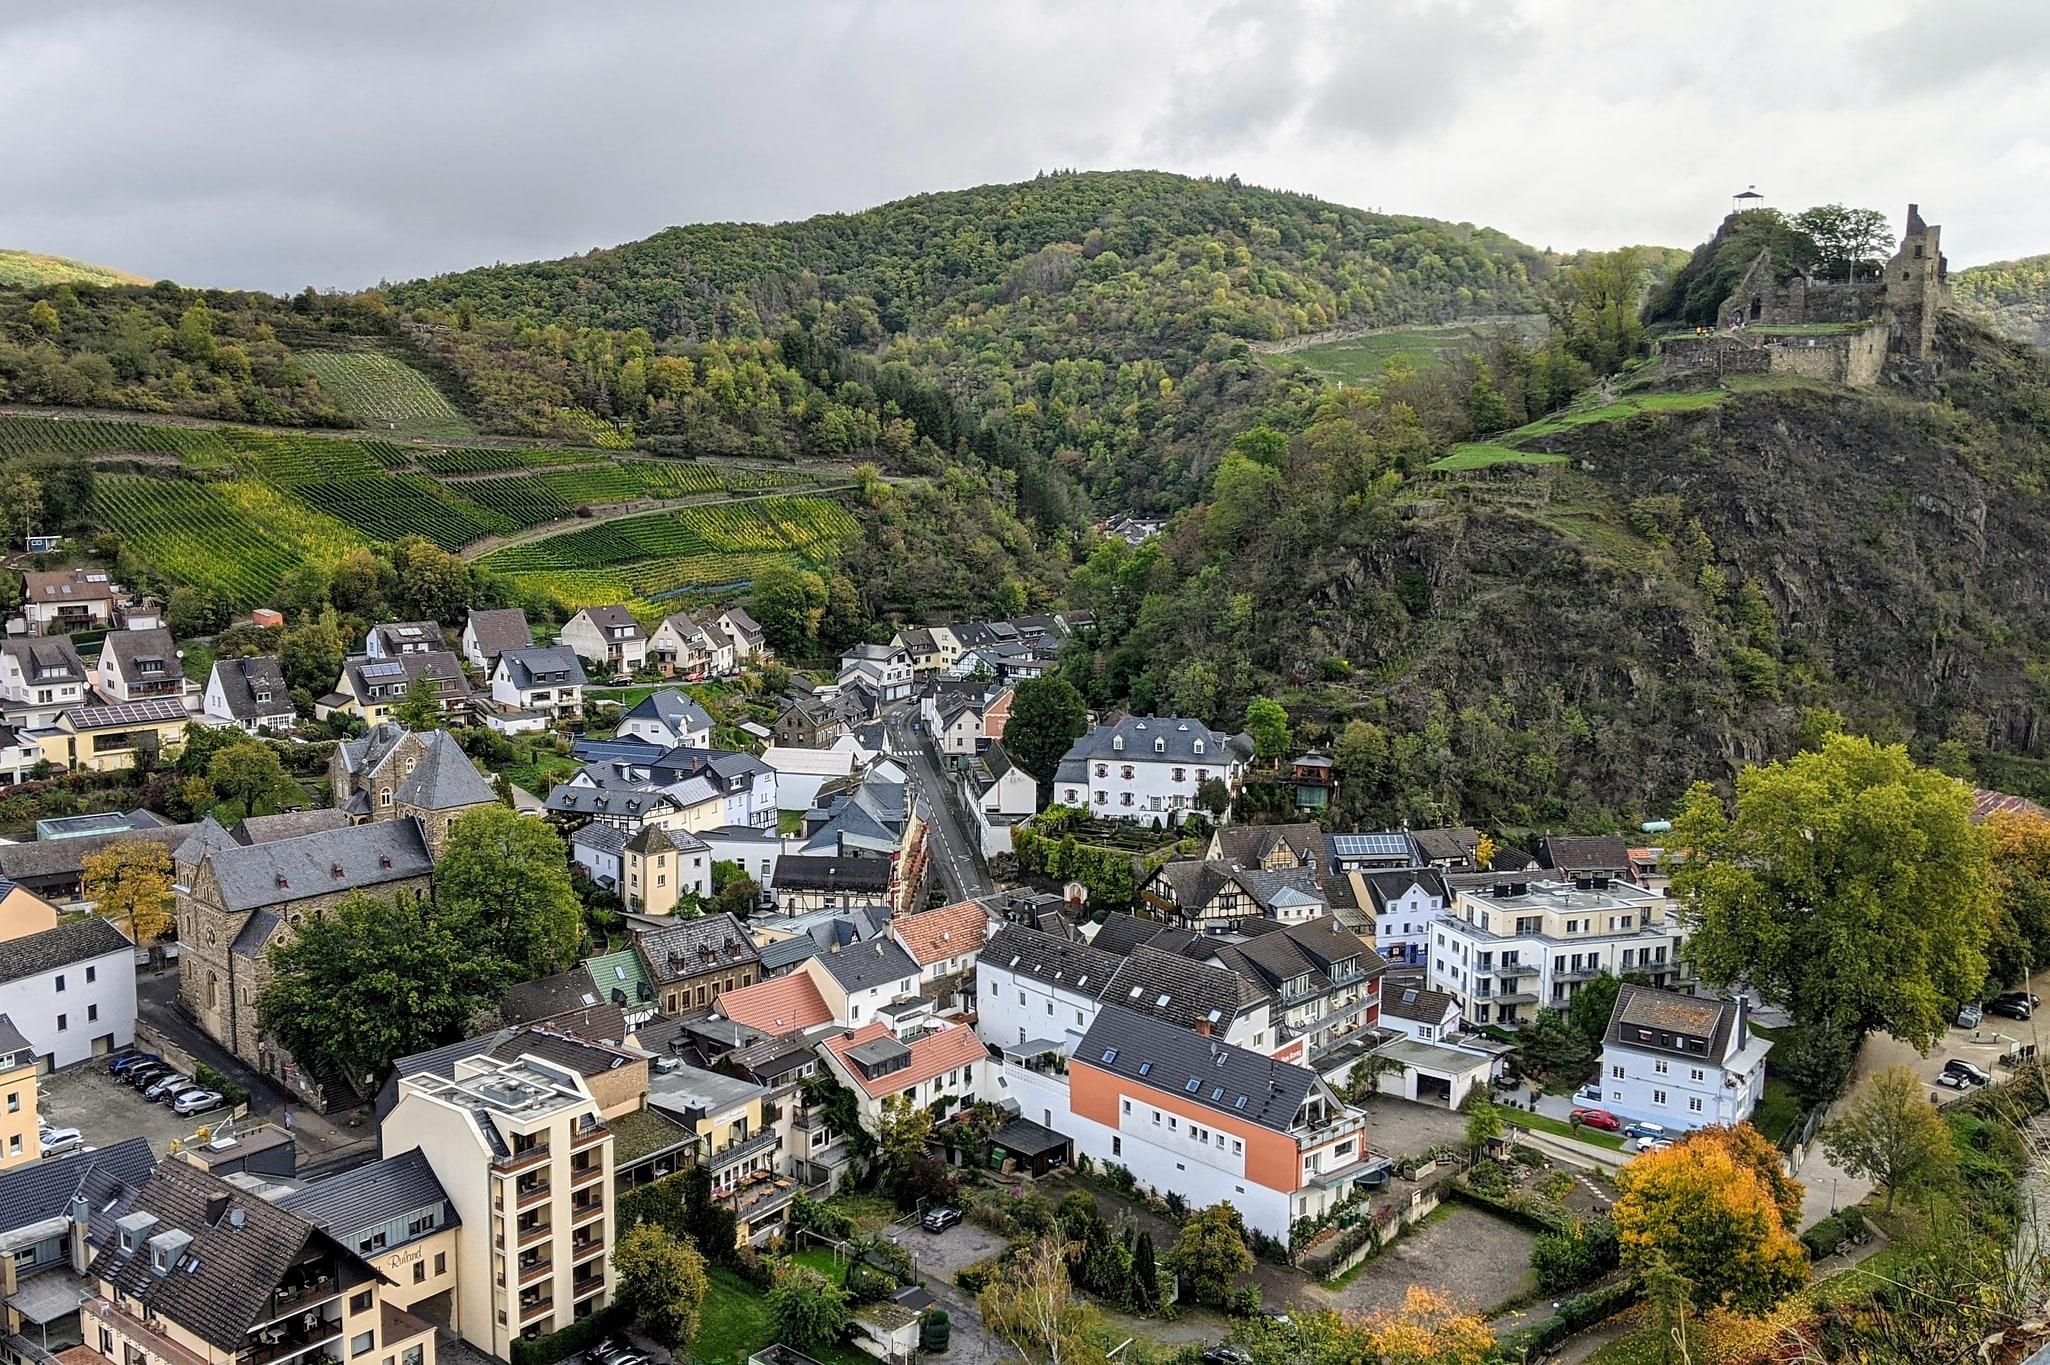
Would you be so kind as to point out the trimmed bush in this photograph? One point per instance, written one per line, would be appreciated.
(574, 1339)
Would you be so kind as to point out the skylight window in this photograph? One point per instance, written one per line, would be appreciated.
(1162, 1001)
(1218, 1093)
(1193, 1085)
(1135, 992)
(1110, 1054)
(1242, 1102)
(1145, 1068)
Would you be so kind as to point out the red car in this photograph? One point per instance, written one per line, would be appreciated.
(1597, 1118)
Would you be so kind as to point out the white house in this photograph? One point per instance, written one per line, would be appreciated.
(488, 634)
(1425, 1015)
(1682, 1061)
(1148, 768)
(1509, 945)
(548, 681)
(682, 646)
(249, 694)
(801, 772)
(937, 1069)
(755, 851)
(745, 632)
(19, 755)
(398, 638)
(1038, 985)
(71, 990)
(138, 664)
(39, 678)
(1404, 904)
(608, 636)
(67, 600)
(670, 719)
(859, 980)
(884, 669)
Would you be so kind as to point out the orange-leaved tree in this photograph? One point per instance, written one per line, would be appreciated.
(1429, 1329)
(1709, 1207)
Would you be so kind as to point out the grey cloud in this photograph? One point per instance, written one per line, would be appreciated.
(1945, 43)
(1404, 68)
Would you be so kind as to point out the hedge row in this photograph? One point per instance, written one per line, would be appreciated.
(1576, 1314)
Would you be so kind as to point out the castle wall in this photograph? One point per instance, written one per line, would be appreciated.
(1713, 354)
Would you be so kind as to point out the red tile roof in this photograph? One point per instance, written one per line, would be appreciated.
(782, 1005)
(1986, 803)
(933, 1055)
(950, 931)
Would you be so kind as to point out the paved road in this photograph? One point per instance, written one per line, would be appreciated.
(953, 847)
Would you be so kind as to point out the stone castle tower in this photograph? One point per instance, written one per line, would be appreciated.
(1917, 288)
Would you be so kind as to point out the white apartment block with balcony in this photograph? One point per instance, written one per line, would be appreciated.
(1681, 1061)
(525, 1156)
(1510, 946)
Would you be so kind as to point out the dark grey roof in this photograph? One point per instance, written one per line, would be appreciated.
(131, 647)
(345, 859)
(673, 708)
(538, 666)
(42, 859)
(550, 996)
(30, 1194)
(864, 966)
(395, 675)
(1384, 887)
(1250, 845)
(1671, 1018)
(1023, 1137)
(1143, 1050)
(264, 829)
(1582, 855)
(11, 1039)
(1414, 1002)
(1140, 732)
(241, 679)
(825, 872)
(1179, 990)
(695, 947)
(46, 658)
(81, 940)
(1289, 952)
(1051, 959)
(222, 1284)
(357, 1201)
(497, 631)
(254, 936)
(1120, 934)
(1456, 844)
(607, 839)
(606, 618)
(444, 778)
(399, 635)
(785, 953)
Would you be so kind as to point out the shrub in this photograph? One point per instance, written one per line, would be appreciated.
(1245, 1300)
(980, 1276)
(213, 1080)
(574, 1339)
(1578, 1256)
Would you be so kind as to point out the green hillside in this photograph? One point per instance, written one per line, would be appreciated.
(32, 270)
(2012, 297)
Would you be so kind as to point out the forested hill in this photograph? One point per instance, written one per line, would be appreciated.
(1093, 327)
(2011, 296)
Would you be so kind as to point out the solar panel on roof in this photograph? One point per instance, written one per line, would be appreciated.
(391, 670)
(1368, 845)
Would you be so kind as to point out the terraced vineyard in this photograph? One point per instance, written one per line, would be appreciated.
(475, 461)
(665, 553)
(236, 538)
(21, 434)
(391, 507)
(385, 394)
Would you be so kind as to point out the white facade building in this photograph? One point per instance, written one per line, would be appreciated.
(1148, 768)
(1404, 905)
(70, 990)
(884, 669)
(1681, 1061)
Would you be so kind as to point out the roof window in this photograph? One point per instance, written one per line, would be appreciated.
(1145, 1068)
(1110, 1054)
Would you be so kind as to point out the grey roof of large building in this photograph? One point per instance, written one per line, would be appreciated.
(1052, 960)
(128, 648)
(542, 666)
(824, 872)
(344, 859)
(500, 630)
(1181, 990)
(354, 1202)
(1210, 1072)
(1140, 733)
(548, 996)
(1120, 934)
(1384, 887)
(81, 940)
(444, 778)
(33, 1193)
(865, 966)
(694, 947)
(1289, 952)
(264, 829)
(46, 658)
(1669, 1018)
(1582, 855)
(43, 859)
(673, 709)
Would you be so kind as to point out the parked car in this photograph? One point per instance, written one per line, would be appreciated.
(59, 1141)
(1588, 1094)
(146, 1075)
(1225, 1355)
(1951, 1081)
(164, 1086)
(1969, 1016)
(1275, 1317)
(2011, 1006)
(196, 1101)
(1650, 1144)
(121, 1065)
(1598, 1118)
(939, 1220)
(621, 680)
(1638, 1128)
(1957, 1066)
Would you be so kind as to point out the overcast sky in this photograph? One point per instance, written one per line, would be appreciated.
(253, 144)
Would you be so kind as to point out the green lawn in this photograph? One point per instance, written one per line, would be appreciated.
(1777, 1108)
(1364, 359)
(1543, 1124)
(1477, 455)
(789, 822)
(735, 1324)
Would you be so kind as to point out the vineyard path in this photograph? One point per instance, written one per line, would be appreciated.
(641, 507)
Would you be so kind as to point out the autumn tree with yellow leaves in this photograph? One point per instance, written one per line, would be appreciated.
(1717, 1208)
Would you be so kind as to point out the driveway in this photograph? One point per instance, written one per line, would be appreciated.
(105, 1110)
(1477, 1260)
(1399, 1127)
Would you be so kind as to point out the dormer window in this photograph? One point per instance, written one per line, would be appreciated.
(1117, 742)
(1160, 745)
(263, 695)
(1199, 746)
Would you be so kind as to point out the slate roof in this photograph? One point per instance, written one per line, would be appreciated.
(497, 631)
(1577, 855)
(395, 636)
(46, 658)
(655, 839)
(79, 941)
(1139, 733)
(1416, 1003)
(392, 676)
(1052, 960)
(1146, 1051)
(1250, 845)
(286, 870)
(1180, 990)
(239, 680)
(865, 966)
(949, 931)
(264, 829)
(353, 1203)
(1669, 1017)
(1384, 887)
(786, 953)
(43, 859)
(602, 838)
(676, 711)
(1023, 1137)
(532, 666)
(1452, 845)
(607, 618)
(253, 938)
(694, 947)
(236, 1258)
(128, 648)
(32, 1193)
(781, 1005)
(443, 778)
(1120, 934)
(549, 996)
(825, 872)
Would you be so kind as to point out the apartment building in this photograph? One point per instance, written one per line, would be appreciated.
(201, 1272)
(1148, 768)
(736, 1142)
(1325, 982)
(1681, 1061)
(395, 1215)
(1509, 947)
(1194, 1114)
(525, 1157)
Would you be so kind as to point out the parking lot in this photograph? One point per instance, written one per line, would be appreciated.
(106, 1111)
(942, 1254)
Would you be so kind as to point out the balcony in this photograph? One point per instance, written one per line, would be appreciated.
(1578, 974)
(1331, 1131)
(582, 1176)
(534, 1308)
(521, 1160)
(1515, 998)
(281, 1342)
(586, 1134)
(587, 1242)
(582, 1210)
(531, 1192)
(297, 1298)
(533, 1272)
(533, 1234)
(764, 1141)
(586, 1284)
(1516, 969)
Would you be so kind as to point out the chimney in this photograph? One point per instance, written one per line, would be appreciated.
(80, 1241)
(1202, 1028)
(216, 1205)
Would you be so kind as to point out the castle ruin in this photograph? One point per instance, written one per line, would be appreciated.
(1839, 331)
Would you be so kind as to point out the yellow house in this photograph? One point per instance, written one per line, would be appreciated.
(21, 1139)
(23, 912)
(660, 865)
(106, 739)
(396, 1216)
